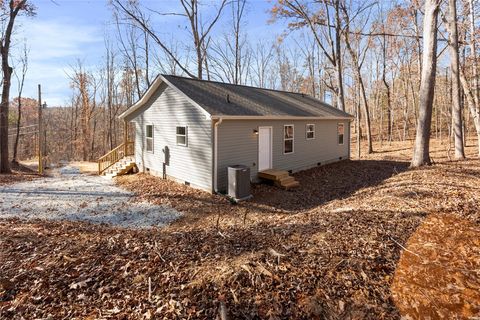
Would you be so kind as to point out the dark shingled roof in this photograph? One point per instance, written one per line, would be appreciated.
(223, 99)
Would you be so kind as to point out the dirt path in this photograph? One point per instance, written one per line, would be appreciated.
(69, 195)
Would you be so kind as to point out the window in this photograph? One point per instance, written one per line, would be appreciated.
(288, 136)
(340, 132)
(149, 137)
(310, 131)
(182, 136)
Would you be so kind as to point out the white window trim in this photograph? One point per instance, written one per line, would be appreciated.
(153, 138)
(186, 136)
(285, 139)
(338, 134)
(306, 131)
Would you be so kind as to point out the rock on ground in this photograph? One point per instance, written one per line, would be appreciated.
(79, 197)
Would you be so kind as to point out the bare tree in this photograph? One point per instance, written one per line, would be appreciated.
(326, 19)
(82, 81)
(263, 55)
(421, 152)
(135, 15)
(21, 82)
(358, 57)
(198, 29)
(457, 122)
(230, 58)
(9, 15)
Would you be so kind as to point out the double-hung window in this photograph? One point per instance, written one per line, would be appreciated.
(149, 137)
(182, 136)
(288, 137)
(310, 131)
(340, 132)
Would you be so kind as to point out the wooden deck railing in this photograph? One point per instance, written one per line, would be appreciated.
(114, 156)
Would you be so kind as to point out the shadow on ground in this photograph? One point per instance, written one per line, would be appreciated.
(323, 184)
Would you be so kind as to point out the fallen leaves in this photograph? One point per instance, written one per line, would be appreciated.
(438, 276)
(327, 250)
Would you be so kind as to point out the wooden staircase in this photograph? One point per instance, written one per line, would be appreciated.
(118, 161)
(123, 166)
(280, 178)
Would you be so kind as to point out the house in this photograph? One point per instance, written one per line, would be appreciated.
(191, 130)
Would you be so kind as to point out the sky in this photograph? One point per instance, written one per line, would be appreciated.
(66, 31)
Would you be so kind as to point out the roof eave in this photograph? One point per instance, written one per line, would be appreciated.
(240, 117)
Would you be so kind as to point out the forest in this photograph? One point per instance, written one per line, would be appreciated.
(387, 230)
(364, 57)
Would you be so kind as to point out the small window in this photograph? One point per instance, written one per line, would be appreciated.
(310, 131)
(182, 136)
(288, 136)
(149, 138)
(340, 132)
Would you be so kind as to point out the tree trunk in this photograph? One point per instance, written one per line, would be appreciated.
(387, 86)
(454, 63)
(359, 129)
(421, 153)
(338, 58)
(472, 106)
(473, 50)
(17, 137)
(15, 7)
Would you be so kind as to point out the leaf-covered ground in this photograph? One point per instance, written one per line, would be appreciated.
(331, 249)
(19, 173)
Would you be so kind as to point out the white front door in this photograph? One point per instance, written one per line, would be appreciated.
(264, 148)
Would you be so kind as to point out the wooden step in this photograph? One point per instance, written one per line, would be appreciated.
(119, 169)
(284, 180)
(281, 178)
(272, 174)
(290, 185)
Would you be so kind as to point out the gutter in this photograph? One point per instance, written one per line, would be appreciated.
(215, 154)
(223, 117)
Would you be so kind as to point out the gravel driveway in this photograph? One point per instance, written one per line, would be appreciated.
(69, 195)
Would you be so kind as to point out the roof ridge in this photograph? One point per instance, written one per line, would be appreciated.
(242, 85)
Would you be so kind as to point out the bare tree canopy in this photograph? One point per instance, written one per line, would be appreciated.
(379, 61)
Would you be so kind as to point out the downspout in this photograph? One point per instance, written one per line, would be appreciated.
(215, 155)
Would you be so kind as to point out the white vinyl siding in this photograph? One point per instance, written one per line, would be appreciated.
(166, 110)
(288, 138)
(238, 144)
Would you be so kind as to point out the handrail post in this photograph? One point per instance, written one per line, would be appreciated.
(125, 137)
